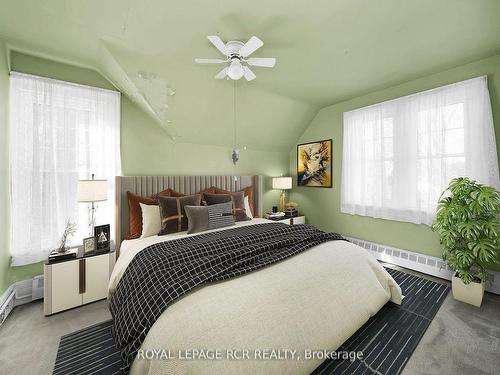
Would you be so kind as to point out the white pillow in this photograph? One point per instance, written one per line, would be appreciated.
(151, 220)
(247, 208)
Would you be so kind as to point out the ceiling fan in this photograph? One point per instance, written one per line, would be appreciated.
(237, 53)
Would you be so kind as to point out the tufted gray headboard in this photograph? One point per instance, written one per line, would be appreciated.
(148, 185)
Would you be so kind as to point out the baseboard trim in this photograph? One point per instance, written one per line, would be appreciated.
(19, 293)
(419, 262)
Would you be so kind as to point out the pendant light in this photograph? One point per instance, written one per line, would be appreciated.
(235, 155)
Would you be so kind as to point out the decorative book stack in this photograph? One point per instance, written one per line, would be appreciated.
(275, 215)
(56, 256)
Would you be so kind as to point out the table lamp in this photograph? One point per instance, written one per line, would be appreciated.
(282, 183)
(91, 191)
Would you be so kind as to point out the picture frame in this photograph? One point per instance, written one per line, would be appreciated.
(314, 164)
(102, 235)
(89, 245)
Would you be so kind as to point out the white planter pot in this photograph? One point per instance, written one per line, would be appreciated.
(471, 293)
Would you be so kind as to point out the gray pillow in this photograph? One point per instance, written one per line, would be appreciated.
(201, 218)
(237, 199)
(173, 215)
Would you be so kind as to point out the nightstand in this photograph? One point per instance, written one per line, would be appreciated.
(74, 282)
(291, 220)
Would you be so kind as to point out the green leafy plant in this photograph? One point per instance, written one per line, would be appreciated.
(468, 223)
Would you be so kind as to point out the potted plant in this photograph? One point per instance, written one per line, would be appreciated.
(468, 224)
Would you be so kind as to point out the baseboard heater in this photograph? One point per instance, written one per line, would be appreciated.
(7, 304)
(419, 262)
(20, 293)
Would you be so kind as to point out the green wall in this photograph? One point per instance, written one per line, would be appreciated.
(322, 206)
(145, 149)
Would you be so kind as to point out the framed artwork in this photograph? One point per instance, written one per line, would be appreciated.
(102, 235)
(89, 245)
(314, 164)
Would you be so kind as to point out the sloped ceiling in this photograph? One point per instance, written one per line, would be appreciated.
(326, 50)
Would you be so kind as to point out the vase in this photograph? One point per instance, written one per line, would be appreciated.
(471, 293)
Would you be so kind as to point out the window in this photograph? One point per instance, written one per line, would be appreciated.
(398, 156)
(59, 133)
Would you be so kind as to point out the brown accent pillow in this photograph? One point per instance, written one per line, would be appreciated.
(167, 193)
(172, 193)
(248, 193)
(237, 198)
(210, 190)
(172, 212)
(135, 212)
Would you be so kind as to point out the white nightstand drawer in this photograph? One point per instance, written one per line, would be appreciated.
(293, 220)
(65, 292)
(96, 278)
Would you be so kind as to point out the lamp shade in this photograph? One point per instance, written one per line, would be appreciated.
(282, 183)
(92, 190)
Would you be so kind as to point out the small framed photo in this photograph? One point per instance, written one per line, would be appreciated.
(89, 245)
(102, 235)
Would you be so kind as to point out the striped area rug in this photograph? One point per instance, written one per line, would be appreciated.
(89, 351)
(387, 339)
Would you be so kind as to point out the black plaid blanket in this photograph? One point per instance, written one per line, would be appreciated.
(164, 272)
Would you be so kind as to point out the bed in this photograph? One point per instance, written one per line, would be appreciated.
(265, 321)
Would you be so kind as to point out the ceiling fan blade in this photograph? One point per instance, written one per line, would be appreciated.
(267, 62)
(209, 61)
(221, 74)
(218, 43)
(251, 46)
(249, 76)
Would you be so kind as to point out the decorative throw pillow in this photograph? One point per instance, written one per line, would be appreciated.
(173, 214)
(248, 210)
(151, 221)
(237, 199)
(135, 212)
(168, 193)
(210, 190)
(248, 191)
(201, 218)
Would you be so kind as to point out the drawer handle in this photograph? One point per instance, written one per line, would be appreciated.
(82, 281)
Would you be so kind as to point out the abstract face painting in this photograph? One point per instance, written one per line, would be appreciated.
(314, 164)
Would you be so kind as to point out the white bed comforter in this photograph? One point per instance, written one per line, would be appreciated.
(314, 300)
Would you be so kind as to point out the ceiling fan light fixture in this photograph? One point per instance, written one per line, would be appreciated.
(235, 53)
(235, 70)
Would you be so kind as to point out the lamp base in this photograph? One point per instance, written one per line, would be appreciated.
(281, 205)
(92, 213)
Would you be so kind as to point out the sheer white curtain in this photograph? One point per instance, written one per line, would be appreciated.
(59, 133)
(398, 156)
